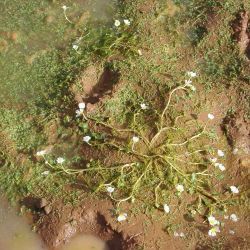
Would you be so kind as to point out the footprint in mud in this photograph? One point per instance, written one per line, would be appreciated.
(103, 87)
(96, 86)
(66, 227)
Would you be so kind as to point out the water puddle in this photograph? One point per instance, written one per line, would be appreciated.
(16, 234)
(85, 242)
(32, 33)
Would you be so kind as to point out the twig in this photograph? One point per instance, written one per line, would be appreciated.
(168, 103)
(188, 140)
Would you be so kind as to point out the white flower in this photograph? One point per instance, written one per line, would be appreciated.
(231, 232)
(75, 46)
(193, 212)
(233, 217)
(64, 7)
(139, 52)
(235, 151)
(45, 172)
(60, 160)
(191, 74)
(135, 139)
(179, 188)
(226, 217)
(81, 105)
(117, 23)
(86, 138)
(143, 106)
(188, 82)
(126, 22)
(192, 87)
(234, 189)
(220, 166)
(212, 221)
(182, 234)
(176, 234)
(122, 217)
(210, 116)
(110, 189)
(213, 231)
(41, 153)
(166, 208)
(79, 112)
(213, 160)
(220, 153)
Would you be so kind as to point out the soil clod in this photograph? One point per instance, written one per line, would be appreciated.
(237, 128)
(65, 221)
(241, 32)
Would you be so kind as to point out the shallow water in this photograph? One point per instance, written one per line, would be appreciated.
(85, 242)
(31, 30)
(16, 234)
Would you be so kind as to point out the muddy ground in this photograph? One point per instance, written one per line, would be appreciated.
(97, 217)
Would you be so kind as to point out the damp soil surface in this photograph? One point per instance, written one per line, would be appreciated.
(58, 223)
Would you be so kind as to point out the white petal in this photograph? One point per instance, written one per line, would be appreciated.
(235, 151)
(86, 138)
(179, 188)
(210, 116)
(188, 82)
(212, 232)
(213, 160)
(191, 74)
(212, 221)
(81, 105)
(143, 106)
(135, 139)
(75, 47)
(233, 217)
(78, 112)
(117, 23)
(166, 208)
(182, 234)
(60, 160)
(192, 87)
(41, 153)
(220, 153)
(222, 167)
(234, 189)
(122, 217)
(45, 172)
(110, 189)
(126, 22)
